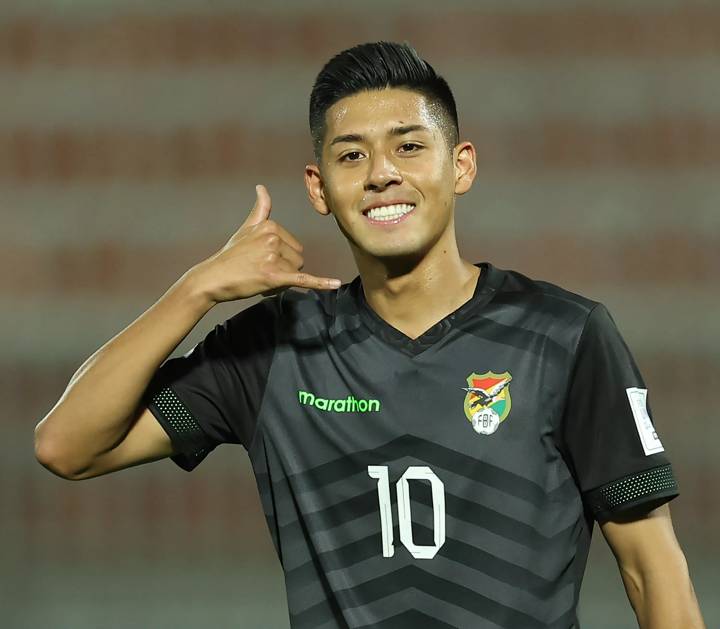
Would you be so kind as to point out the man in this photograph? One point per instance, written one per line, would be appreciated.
(433, 441)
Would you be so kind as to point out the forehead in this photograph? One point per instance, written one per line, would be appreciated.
(376, 110)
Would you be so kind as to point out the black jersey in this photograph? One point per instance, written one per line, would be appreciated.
(450, 480)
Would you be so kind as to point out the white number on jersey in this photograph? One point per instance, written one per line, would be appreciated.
(402, 488)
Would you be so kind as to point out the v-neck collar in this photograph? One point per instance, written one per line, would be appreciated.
(487, 284)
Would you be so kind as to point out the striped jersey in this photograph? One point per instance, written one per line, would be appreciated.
(451, 480)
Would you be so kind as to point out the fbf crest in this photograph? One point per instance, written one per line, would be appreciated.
(487, 400)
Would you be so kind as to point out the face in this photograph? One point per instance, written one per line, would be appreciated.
(387, 174)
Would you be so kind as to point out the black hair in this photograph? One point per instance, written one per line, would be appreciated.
(375, 66)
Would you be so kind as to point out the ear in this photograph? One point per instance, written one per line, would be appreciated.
(465, 166)
(316, 189)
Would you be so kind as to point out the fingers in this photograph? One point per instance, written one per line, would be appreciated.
(287, 269)
(288, 237)
(261, 210)
(305, 280)
(291, 255)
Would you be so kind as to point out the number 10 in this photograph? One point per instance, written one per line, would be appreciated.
(417, 472)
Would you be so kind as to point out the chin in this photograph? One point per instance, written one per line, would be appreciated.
(399, 253)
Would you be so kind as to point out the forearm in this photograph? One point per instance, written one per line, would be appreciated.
(663, 596)
(97, 407)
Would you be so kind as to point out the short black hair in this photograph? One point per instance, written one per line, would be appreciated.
(376, 66)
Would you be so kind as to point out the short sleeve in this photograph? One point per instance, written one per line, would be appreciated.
(609, 435)
(212, 394)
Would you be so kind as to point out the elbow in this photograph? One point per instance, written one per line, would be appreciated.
(46, 454)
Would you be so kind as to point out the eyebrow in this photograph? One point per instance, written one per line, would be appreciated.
(402, 130)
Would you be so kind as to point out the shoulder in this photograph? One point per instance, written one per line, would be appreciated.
(296, 313)
(319, 306)
(533, 306)
(543, 298)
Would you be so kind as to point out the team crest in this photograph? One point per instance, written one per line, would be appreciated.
(487, 401)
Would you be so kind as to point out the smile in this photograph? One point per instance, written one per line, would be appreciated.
(389, 213)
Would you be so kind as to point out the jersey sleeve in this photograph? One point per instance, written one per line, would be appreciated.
(609, 436)
(212, 394)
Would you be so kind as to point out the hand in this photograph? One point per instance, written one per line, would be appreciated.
(261, 257)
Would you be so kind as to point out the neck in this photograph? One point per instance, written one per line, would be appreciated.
(412, 294)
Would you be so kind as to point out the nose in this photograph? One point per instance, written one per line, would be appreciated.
(382, 173)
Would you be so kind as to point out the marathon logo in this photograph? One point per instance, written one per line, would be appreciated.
(350, 404)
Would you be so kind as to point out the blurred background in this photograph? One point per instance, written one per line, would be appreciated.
(131, 137)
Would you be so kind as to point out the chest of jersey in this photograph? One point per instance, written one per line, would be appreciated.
(377, 460)
(480, 399)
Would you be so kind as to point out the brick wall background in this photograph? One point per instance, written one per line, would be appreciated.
(131, 136)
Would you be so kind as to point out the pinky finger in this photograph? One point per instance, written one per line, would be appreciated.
(305, 280)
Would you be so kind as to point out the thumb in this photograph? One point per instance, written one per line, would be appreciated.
(261, 210)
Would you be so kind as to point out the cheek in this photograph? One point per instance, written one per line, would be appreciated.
(341, 193)
(435, 180)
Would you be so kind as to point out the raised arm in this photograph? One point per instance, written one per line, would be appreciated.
(99, 424)
(101, 403)
(654, 570)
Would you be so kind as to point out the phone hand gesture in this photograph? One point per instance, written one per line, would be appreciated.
(261, 258)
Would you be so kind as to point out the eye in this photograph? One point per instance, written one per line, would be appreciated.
(411, 144)
(344, 158)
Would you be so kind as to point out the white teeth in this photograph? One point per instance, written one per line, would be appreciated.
(389, 212)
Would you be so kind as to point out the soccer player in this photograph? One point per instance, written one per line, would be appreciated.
(432, 441)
